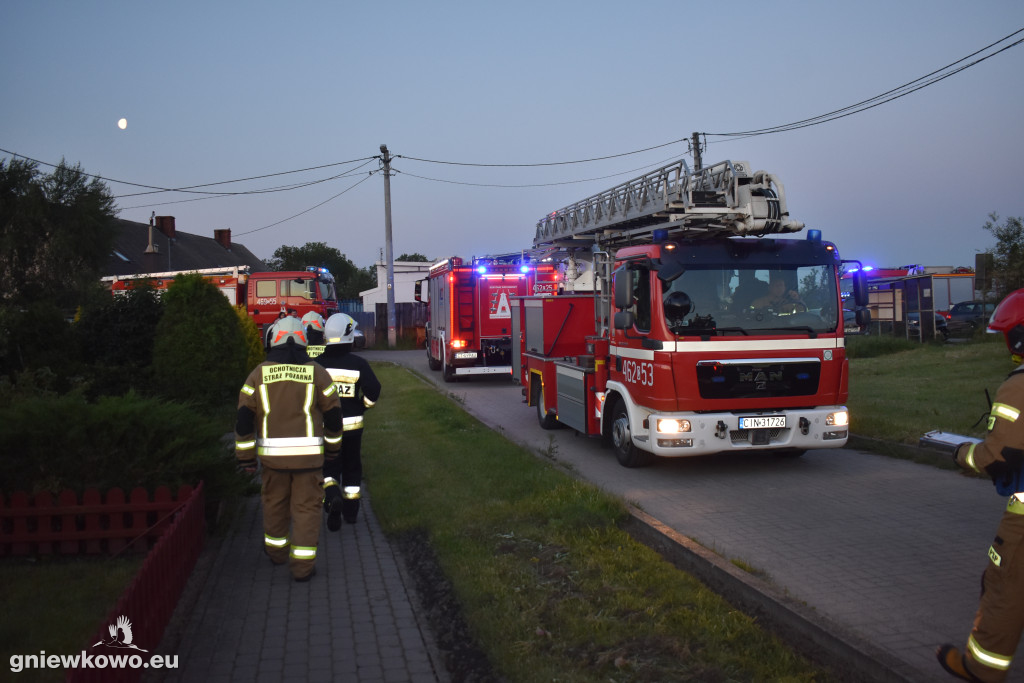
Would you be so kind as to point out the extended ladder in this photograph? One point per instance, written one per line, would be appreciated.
(725, 198)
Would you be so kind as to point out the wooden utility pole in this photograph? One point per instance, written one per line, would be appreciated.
(696, 152)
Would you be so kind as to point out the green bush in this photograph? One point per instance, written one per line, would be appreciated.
(125, 441)
(115, 340)
(199, 354)
(255, 354)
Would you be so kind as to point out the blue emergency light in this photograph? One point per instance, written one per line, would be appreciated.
(814, 235)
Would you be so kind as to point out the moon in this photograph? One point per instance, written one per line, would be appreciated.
(122, 124)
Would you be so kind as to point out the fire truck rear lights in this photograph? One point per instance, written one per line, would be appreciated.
(672, 426)
(458, 343)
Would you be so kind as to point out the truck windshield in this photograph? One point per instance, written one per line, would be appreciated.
(327, 290)
(714, 300)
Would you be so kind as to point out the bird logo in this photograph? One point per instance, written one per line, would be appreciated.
(120, 635)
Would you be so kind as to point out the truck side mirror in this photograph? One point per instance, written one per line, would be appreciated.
(623, 320)
(860, 288)
(863, 317)
(623, 291)
(421, 292)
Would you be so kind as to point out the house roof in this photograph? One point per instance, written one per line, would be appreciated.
(175, 250)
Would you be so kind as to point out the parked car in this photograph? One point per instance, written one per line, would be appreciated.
(850, 325)
(967, 316)
(914, 325)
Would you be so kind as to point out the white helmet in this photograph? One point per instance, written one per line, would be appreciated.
(287, 328)
(340, 329)
(314, 320)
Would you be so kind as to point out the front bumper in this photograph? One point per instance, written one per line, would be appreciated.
(708, 433)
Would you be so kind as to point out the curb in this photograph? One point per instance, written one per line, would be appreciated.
(823, 641)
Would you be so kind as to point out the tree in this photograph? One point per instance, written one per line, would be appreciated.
(413, 257)
(199, 353)
(1008, 254)
(56, 232)
(349, 280)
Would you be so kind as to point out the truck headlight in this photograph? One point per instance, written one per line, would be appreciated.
(840, 419)
(671, 426)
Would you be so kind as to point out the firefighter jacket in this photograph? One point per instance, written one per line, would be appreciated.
(1001, 454)
(288, 414)
(358, 386)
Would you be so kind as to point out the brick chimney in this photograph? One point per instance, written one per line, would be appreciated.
(165, 224)
(223, 238)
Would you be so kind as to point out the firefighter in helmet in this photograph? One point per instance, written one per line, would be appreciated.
(290, 418)
(358, 388)
(313, 322)
(1000, 617)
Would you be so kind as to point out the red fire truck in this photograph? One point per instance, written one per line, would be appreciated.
(469, 326)
(266, 295)
(697, 330)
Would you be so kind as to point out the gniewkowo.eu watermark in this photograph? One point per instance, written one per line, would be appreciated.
(85, 660)
(120, 639)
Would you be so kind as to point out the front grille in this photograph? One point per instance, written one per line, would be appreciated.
(757, 380)
(757, 437)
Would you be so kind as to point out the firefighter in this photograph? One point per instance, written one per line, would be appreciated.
(313, 322)
(1000, 617)
(359, 389)
(289, 416)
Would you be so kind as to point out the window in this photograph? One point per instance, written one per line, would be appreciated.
(266, 289)
(642, 299)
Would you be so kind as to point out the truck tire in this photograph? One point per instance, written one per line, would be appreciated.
(626, 453)
(432, 363)
(546, 420)
(447, 371)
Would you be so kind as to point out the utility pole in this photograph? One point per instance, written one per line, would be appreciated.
(392, 334)
(696, 152)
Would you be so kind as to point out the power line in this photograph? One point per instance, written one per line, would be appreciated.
(549, 163)
(564, 182)
(888, 96)
(283, 220)
(189, 188)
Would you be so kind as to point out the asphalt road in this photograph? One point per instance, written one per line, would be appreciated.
(891, 550)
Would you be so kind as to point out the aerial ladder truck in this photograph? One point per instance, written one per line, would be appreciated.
(667, 338)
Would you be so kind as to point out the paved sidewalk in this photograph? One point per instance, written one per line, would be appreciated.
(355, 621)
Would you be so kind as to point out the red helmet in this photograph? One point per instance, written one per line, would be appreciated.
(1008, 318)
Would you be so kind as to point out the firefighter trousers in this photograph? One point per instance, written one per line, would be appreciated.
(291, 517)
(348, 469)
(1000, 618)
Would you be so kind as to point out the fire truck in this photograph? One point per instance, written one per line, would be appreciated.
(266, 296)
(687, 326)
(469, 326)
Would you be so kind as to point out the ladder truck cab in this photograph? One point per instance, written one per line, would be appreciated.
(469, 325)
(699, 331)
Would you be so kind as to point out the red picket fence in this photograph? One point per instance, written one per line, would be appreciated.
(42, 525)
(150, 599)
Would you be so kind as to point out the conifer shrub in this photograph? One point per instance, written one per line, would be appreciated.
(123, 441)
(199, 353)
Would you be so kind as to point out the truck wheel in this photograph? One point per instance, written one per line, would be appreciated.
(547, 421)
(447, 371)
(432, 363)
(627, 454)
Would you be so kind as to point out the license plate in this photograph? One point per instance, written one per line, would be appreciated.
(763, 422)
(465, 355)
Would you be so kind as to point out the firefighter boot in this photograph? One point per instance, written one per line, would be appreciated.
(332, 504)
(953, 662)
(350, 504)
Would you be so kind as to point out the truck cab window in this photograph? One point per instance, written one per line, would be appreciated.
(266, 289)
(642, 299)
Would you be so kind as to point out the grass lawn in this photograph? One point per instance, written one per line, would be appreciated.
(56, 604)
(550, 586)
